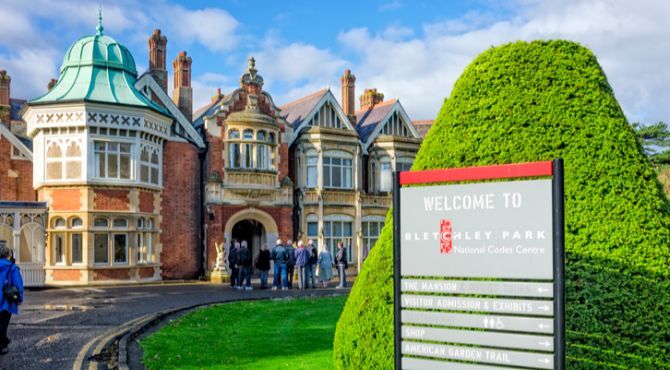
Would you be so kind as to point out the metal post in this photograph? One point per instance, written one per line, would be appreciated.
(559, 263)
(396, 270)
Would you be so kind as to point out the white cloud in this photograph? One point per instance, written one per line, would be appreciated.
(213, 28)
(391, 5)
(31, 70)
(630, 40)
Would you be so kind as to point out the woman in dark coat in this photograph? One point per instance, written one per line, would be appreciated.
(263, 265)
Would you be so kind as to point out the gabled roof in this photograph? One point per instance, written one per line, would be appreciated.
(16, 141)
(422, 126)
(297, 111)
(206, 110)
(15, 107)
(367, 120)
(147, 80)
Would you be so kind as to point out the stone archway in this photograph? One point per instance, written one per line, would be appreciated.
(252, 220)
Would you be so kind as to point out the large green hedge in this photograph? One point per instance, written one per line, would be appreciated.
(536, 101)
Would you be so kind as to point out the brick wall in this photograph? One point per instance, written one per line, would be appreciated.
(181, 211)
(66, 275)
(65, 199)
(16, 176)
(112, 200)
(111, 274)
(215, 155)
(146, 201)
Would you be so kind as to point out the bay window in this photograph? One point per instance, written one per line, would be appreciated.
(337, 172)
(338, 231)
(112, 160)
(385, 177)
(312, 169)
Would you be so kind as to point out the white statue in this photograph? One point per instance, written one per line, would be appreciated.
(220, 257)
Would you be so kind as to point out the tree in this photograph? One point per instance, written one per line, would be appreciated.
(655, 139)
(535, 101)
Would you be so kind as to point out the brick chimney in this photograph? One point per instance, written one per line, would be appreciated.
(52, 83)
(157, 49)
(349, 95)
(5, 108)
(182, 94)
(370, 98)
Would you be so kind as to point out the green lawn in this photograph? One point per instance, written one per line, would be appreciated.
(268, 334)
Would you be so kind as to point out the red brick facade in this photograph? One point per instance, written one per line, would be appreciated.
(16, 176)
(181, 210)
(111, 274)
(111, 200)
(146, 201)
(66, 275)
(65, 199)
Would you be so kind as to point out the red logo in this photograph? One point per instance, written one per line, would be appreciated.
(445, 237)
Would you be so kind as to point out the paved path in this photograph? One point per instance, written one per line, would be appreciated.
(55, 324)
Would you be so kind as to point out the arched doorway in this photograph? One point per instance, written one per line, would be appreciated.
(253, 233)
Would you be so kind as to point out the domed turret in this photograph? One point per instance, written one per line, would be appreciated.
(97, 68)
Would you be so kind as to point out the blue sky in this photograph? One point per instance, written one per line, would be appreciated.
(413, 50)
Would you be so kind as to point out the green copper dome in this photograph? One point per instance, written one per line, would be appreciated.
(98, 69)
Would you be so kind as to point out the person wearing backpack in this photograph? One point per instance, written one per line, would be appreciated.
(279, 258)
(263, 265)
(12, 293)
(311, 266)
(244, 262)
(290, 262)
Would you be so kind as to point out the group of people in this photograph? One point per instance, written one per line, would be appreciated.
(287, 259)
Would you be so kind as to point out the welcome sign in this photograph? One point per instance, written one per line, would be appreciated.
(479, 268)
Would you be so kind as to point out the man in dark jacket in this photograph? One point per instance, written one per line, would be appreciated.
(244, 264)
(311, 267)
(263, 265)
(290, 262)
(279, 258)
(10, 275)
(232, 264)
(341, 261)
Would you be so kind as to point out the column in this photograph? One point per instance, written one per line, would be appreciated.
(319, 191)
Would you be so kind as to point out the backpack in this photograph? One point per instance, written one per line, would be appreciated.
(9, 291)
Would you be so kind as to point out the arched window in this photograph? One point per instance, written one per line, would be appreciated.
(101, 222)
(248, 134)
(272, 138)
(59, 223)
(233, 134)
(77, 222)
(260, 135)
(140, 223)
(120, 223)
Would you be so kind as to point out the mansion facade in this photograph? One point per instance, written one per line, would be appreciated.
(119, 181)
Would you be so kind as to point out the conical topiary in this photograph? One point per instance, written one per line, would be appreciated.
(537, 101)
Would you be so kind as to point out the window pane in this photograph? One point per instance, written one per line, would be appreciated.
(260, 135)
(154, 176)
(77, 222)
(347, 177)
(233, 134)
(248, 134)
(120, 223)
(101, 222)
(347, 229)
(120, 248)
(364, 228)
(113, 166)
(312, 229)
(311, 176)
(100, 249)
(144, 173)
(326, 228)
(337, 228)
(336, 161)
(154, 157)
(125, 166)
(76, 249)
(100, 164)
(337, 177)
(326, 174)
(374, 228)
(125, 148)
(59, 245)
(54, 170)
(144, 156)
(385, 181)
(112, 147)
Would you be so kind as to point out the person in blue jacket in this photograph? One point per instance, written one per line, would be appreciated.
(9, 275)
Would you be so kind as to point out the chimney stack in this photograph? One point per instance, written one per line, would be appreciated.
(52, 83)
(370, 98)
(217, 96)
(183, 93)
(157, 49)
(349, 95)
(5, 108)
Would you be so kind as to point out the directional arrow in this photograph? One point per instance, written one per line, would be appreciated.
(543, 308)
(545, 343)
(542, 290)
(543, 326)
(543, 360)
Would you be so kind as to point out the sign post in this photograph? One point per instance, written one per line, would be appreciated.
(479, 268)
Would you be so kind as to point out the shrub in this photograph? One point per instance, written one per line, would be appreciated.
(536, 101)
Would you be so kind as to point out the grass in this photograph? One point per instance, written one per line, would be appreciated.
(277, 334)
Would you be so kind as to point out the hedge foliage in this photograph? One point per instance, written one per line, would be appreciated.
(537, 101)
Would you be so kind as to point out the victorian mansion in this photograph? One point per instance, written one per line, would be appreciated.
(108, 177)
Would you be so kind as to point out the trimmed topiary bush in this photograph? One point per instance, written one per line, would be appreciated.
(536, 101)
